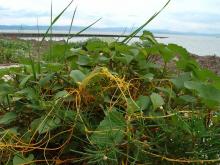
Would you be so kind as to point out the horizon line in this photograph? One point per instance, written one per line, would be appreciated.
(19, 27)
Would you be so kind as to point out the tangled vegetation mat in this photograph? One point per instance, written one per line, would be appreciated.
(110, 103)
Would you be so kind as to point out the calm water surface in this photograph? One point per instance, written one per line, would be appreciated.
(200, 45)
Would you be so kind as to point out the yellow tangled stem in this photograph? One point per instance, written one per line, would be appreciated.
(120, 84)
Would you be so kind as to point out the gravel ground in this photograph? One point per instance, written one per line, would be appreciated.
(210, 62)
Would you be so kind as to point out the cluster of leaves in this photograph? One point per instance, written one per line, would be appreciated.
(60, 50)
(12, 50)
(111, 103)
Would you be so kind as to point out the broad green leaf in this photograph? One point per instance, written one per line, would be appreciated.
(216, 84)
(188, 98)
(187, 65)
(45, 124)
(153, 65)
(148, 65)
(193, 85)
(156, 100)
(134, 51)
(179, 50)
(139, 105)
(147, 35)
(143, 102)
(5, 89)
(8, 118)
(166, 53)
(77, 75)
(205, 74)
(24, 81)
(153, 49)
(121, 48)
(110, 131)
(179, 81)
(21, 160)
(83, 60)
(44, 81)
(69, 116)
(54, 67)
(132, 106)
(96, 45)
(124, 58)
(11, 132)
(167, 91)
(29, 93)
(148, 77)
(128, 59)
(103, 60)
(205, 91)
(58, 53)
(61, 94)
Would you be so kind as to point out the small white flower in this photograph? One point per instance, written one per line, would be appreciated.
(101, 54)
(7, 78)
(105, 157)
(161, 107)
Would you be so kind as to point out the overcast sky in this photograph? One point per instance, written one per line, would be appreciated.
(181, 15)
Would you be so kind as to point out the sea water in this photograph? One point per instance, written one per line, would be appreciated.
(200, 45)
(195, 44)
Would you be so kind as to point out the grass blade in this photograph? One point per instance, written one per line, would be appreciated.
(128, 38)
(51, 29)
(73, 35)
(55, 20)
(70, 29)
(71, 25)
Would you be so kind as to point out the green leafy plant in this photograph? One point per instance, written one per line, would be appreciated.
(110, 103)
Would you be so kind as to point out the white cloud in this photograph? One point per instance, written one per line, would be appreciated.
(180, 15)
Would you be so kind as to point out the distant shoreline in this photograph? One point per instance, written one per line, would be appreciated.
(31, 34)
(118, 30)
